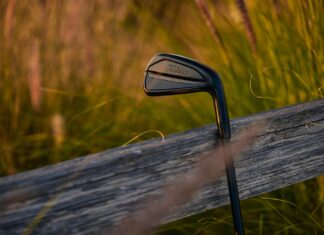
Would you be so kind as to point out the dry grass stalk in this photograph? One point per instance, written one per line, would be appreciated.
(58, 129)
(34, 80)
(8, 19)
(72, 22)
(175, 194)
(7, 159)
(209, 21)
(77, 39)
(247, 24)
(212, 27)
(71, 36)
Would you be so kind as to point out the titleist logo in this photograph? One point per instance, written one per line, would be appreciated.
(177, 69)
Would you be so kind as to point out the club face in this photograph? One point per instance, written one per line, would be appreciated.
(168, 74)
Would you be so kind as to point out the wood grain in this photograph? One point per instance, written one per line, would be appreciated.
(91, 194)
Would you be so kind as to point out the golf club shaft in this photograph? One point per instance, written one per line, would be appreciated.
(224, 132)
(234, 198)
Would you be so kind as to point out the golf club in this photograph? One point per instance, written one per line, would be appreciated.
(169, 74)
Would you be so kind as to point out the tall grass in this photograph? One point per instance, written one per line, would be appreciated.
(71, 74)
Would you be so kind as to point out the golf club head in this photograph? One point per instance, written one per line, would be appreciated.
(169, 74)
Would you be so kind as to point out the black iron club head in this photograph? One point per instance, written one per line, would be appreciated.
(169, 74)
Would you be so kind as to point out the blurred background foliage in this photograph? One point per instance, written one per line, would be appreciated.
(71, 76)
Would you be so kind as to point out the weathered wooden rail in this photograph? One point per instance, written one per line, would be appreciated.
(90, 194)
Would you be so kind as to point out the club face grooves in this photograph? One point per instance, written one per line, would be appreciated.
(156, 84)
